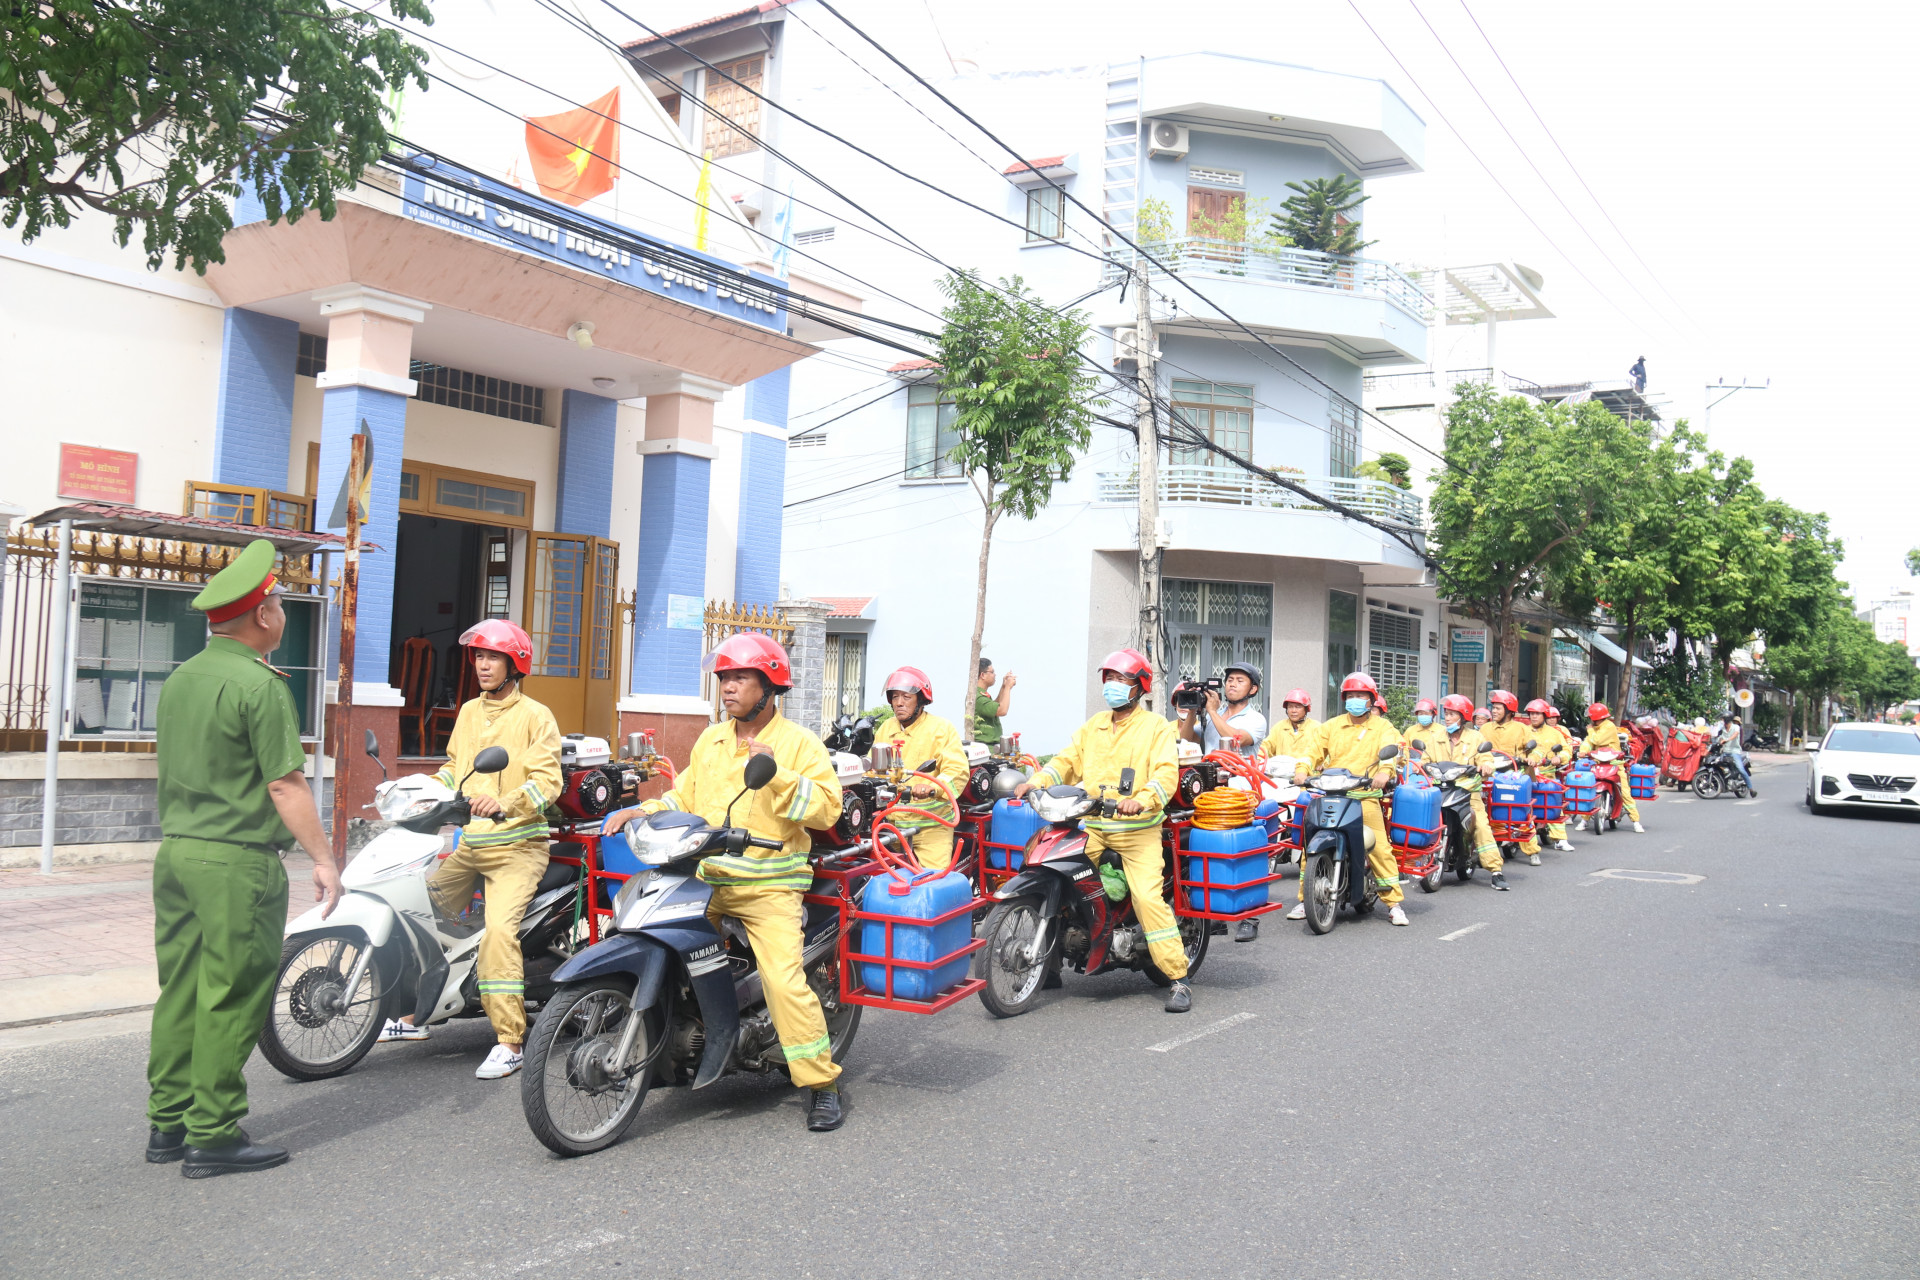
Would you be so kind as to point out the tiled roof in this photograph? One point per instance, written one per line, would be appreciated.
(913, 366)
(767, 7)
(846, 606)
(1034, 166)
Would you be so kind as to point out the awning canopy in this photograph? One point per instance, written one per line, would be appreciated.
(106, 517)
(1611, 649)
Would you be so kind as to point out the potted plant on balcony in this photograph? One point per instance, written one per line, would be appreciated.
(1316, 219)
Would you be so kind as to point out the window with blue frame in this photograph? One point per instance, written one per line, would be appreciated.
(931, 435)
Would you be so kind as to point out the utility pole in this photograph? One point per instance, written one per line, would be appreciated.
(1727, 390)
(1147, 434)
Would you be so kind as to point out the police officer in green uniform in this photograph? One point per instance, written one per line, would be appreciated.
(232, 795)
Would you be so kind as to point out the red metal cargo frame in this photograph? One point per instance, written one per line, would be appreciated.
(1177, 829)
(843, 870)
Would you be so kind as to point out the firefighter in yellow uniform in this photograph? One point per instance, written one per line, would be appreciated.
(1605, 735)
(924, 736)
(1293, 738)
(505, 846)
(1455, 740)
(1547, 761)
(761, 888)
(1128, 736)
(1353, 742)
(1509, 735)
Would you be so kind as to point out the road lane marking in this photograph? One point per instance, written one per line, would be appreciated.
(1168, 1046)
(1755, 800)
(1649, 877)
(1584, 883)
(1680, 799)
(1461, 933)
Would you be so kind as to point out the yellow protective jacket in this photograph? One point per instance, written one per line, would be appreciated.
(1101, 748)
(804, 793)
(1548, 736)
(1354, 745)
(1422, 732)
(1604, 736)
(528, 784)
(1454, 748)
(1286, 740)
(930, 737)
(1507, 738)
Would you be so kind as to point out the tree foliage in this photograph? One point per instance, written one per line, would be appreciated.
(154, 112)
(1317, 215)
(1011, 366)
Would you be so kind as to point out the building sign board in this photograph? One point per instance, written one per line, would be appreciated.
(500, 216)
(97, 475)
(1469, 644)
(686, 613)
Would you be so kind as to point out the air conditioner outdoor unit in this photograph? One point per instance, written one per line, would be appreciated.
(1165, 139)
(1126, 346)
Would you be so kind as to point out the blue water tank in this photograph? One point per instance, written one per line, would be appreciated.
(616, 855)
(1251, 842)
(1014, 823)
(1416, 814)
(1582, 790)
(1510, 798)
(1267, 813)
(1642, 779)
(1549, 800)
(927, 896)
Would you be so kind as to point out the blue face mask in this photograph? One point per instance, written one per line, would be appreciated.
(1358, 706)
(1118, 693)
(1424, 718)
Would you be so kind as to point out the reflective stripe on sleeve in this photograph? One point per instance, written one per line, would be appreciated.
(802, 797)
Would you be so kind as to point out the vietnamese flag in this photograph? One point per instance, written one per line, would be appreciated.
(575, 153)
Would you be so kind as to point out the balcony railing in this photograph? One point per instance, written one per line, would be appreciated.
(1232, 487)
(1421, 379)
(1236, 259)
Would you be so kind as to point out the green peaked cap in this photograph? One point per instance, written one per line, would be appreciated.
(239, 579)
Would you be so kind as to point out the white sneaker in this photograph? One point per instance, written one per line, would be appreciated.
(1397, 916)
(1581, 825)
(502, 1062)
(1533, 859)
(1563, 846)
(1637, 827)
(398, 1030)
(1299, 911)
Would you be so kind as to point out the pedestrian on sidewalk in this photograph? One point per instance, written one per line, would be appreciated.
(232, 795)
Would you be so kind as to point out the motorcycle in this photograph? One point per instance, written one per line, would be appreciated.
(1609, 791)
(1458, 782)
(666, 998)
(1725, 769)
(386, 950)
(1333, 858)
(1758, 741)
(1057, 909)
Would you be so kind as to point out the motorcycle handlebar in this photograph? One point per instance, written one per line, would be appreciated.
(760, 842)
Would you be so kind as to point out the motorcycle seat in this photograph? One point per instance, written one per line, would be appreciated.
(558, 875)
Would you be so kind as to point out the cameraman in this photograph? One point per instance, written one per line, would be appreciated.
(1234, 726)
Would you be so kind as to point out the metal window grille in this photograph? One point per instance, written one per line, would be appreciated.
(1216, 177)
(459, 389)
(469, 495)
(931, 435)
(1215, 623)
(312, 360)
(812, 440)
(1046, 214)
(499, 595)
(1393, 649)
(819, 235)
(846, 675)
(733, 103)
(559, 588)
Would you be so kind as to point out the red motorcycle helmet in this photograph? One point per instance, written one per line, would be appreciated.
(752, 651)
(1300, 696)
(1502, 698)
(1540, 706)
(1553, 714)
(1379, 704)
(1598, 712)
(502, 636)
(911, 680)
(1130, 662)
(1426, 705)
(1359, 682)
(1460, 704)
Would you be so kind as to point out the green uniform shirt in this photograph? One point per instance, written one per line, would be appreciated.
(986, 718)
(226, 727)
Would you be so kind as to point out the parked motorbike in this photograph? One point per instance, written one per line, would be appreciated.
(1458, 782)
(1057, 910)
(1758, 741)
(1725, 769)
(1610, 790)
(666, 998)
(386, 951)
(1335, 839)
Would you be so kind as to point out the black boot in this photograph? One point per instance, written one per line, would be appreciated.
(825, 1112)
(1499, 882)
(1179, 997)
(164, 1147)
(242, 1155)
(1246, 931)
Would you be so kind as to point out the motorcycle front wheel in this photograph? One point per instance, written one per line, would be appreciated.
(1708, 784)
(575, 1102)
(316, 1029)
(1320, 893)
(1012, 971)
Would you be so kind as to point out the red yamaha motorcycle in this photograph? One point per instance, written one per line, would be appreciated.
(1610, 790)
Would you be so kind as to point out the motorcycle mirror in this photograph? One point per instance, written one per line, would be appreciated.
(1531, 744)
(1486, 749)
(1126, 782)
(1418, 745)
(928, 767)
(373, 744)
(492, 760)
(1390, 751)
(759, 771)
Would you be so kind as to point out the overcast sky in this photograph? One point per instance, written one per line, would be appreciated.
(1756, 156)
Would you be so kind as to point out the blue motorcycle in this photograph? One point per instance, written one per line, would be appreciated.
(666, 998)
(1334, 838)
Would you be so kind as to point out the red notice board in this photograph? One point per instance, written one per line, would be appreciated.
(97, 475)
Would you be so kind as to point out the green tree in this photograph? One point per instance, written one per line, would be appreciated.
(1885, 677)
(1317, 216)
(154, 112)
(1524, 492)
(1913, 562)
(1012, 367)
(1391, 467)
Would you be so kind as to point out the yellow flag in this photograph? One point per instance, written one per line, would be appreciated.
(701, 192)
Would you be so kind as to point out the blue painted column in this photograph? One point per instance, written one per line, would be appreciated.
(763, 487)
(584, 500)
(253, 416)
(672, 561)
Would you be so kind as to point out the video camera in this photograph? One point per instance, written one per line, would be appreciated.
(1191, 695)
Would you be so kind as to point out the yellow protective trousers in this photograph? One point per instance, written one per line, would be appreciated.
(774, 918)
(511, 872)
(1145, 868)
(933, 847)
(1483, 842)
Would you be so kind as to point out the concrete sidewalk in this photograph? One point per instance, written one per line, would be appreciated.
(79, 943)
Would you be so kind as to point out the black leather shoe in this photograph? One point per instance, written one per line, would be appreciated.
(1499, 882)
(825, 1113)
(164, 1147)
(1179, 997)
(241, 1156)
(1246, 931)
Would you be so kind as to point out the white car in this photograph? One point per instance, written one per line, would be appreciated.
(1868, 765)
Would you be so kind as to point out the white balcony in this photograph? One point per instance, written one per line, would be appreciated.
(1231, 487)
(1371, 311)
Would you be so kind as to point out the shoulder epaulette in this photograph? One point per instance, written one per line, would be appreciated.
(284, 675)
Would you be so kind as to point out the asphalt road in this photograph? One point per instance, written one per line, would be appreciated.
(1605, 1077)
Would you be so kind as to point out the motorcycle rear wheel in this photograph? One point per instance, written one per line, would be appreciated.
(1319, 893)
(1194, 936)
(306, 1040)
(572, 1106)
(1430, 882)
(1013, 979)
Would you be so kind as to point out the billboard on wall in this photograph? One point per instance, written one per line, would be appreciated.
(97, 475)
(1469, 644)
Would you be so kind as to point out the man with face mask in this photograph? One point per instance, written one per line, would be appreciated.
(1421, 726)
(1605, 735)
(1509, 735)
(1228, 720)
(924, 736)
(1456, 740)
(1545, 760)
(1352, 742)
(1128, 736)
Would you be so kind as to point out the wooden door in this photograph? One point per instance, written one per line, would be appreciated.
(1209, 215)
(570, 595)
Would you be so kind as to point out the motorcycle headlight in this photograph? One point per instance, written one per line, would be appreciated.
(657, 846)
(629, 894)
(415, 809)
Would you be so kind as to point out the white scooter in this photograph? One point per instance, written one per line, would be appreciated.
(386, 952)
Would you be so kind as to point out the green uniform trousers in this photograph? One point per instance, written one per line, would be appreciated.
(219, 914)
